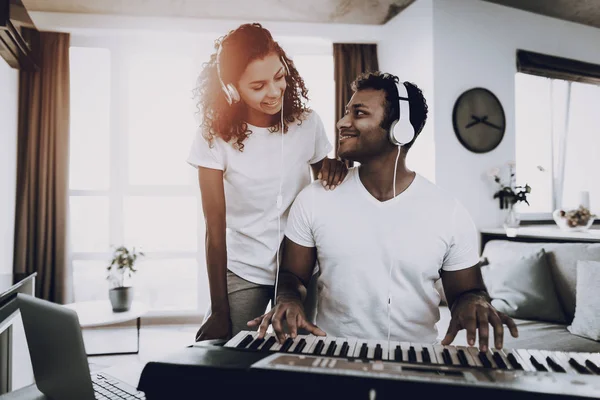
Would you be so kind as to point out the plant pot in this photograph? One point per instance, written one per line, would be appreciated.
(121, 298)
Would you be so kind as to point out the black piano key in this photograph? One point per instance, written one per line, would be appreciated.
(331, 348)
(484, 360)
(447, 357)
(578, 367)
(270, 342)
(398, 353)
(300, 346)
(513, 361)
(245, 342)
(536, 364)
(378, 354)
(425, 355)
(344, 349)
(363, 351)
(319, 347)
(554, 365)
(499, 361)
(592, 367)
(412, 355)
(256, 343)
(462, 358)
(286, 345)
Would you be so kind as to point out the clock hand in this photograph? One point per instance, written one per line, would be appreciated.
(492, 125)
(470, 124)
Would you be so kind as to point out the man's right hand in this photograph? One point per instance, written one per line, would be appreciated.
(290, 310)
(216, 326)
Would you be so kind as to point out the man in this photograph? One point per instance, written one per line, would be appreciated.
(382, 239)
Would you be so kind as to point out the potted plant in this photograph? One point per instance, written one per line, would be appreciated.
(120, 272)
(508, 195)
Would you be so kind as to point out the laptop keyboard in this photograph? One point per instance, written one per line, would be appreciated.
(107, 387)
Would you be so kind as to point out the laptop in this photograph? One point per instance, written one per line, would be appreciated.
(58, 357)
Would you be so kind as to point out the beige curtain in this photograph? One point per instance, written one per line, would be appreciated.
(42, 169)
(350, 60)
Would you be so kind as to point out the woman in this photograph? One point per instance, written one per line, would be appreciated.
(250, 173)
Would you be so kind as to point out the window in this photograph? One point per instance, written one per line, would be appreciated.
(558, 128)
(132, 121)
(133, 118)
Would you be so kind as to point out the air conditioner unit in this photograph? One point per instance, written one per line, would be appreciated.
(17, 44)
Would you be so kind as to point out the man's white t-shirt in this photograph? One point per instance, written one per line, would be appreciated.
(251, 182)
(358, 239)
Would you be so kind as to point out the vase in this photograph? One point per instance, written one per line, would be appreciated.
(511, 221)
(121, 298)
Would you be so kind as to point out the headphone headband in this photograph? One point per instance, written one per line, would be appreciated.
(402, 131)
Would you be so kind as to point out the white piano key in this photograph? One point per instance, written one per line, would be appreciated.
(328, 341)
(297, 340)
(267, 337)
(236, 339)
(468, 356)
(418, 349)
(474, 351)
(358, 347)
(503, 357)
(316, 342)
(351, 345)
(490, 357)
(432, 355)
(310, 339)
(563, 360)
(391, 350)
(439, 350)
(540, 358)
(453, 355)
(525, 358)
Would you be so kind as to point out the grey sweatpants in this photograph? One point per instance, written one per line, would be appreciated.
(248, 300)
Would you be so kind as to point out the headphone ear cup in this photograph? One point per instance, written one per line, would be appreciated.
(232, 94)
(403, 134)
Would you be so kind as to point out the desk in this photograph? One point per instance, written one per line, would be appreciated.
(15, 368)
(542, 233)
(100, 313)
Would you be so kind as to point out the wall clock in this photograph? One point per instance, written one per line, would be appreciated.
(478, 120)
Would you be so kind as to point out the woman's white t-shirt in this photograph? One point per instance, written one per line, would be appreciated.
(252, 182)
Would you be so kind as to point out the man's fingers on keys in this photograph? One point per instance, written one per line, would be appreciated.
(264, 325)
(470, 324)
(498, 329)
(290, 317)
(508, 321)
(277, 326)
(311, 328)
(256, 321)
(484, 329)
(453, 329)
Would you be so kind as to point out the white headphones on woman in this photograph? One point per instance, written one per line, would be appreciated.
(231, 94)
(402, 131)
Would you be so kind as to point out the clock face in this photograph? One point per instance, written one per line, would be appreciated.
(478, 119)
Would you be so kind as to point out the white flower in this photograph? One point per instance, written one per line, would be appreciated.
(494, 172)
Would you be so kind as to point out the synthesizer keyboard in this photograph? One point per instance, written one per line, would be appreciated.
(426, 354)
(310, 367)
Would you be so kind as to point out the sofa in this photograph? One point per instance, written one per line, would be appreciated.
(558, 266)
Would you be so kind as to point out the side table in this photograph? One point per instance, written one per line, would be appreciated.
(100, 313)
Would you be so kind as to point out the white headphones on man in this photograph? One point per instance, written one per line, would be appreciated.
(231, 94)
(402, 131)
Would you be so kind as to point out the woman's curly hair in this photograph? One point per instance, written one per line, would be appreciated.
(241, 46)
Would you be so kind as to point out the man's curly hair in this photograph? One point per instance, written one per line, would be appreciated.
(240, 47)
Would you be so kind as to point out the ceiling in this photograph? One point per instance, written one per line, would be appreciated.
(585, 12)
(373, 12)
(370, 12)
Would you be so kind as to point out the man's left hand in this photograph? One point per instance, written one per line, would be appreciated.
(332, 173)
(474, 312)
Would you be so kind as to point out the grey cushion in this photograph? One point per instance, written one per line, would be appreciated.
(532, 335)
(521, 287)
(562, 260)
(587, 309)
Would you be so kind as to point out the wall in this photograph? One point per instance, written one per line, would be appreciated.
(406, 50)
(475, 44)
(9, 81)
